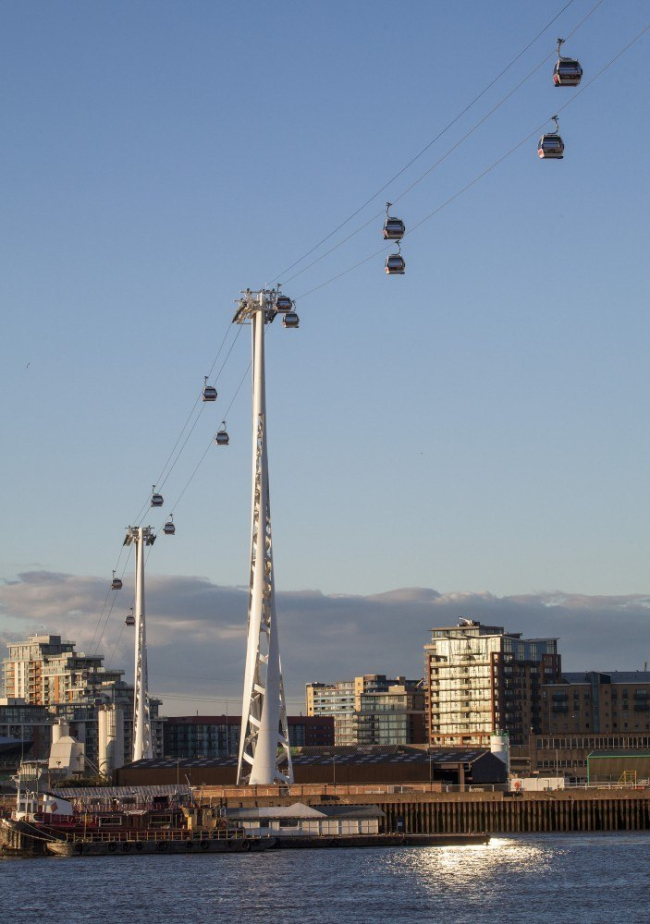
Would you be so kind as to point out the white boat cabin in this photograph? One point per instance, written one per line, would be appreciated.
(299, 819)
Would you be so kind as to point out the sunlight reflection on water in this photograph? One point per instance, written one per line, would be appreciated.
(550, 878)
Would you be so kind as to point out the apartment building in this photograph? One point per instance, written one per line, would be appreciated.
(45, 670)
(481, 679)
(597, 703)
(45, 678)
(372, 709)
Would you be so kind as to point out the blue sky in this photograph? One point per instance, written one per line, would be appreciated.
(478, 424)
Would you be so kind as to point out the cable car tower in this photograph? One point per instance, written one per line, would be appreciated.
(140, 536)
(264, 739)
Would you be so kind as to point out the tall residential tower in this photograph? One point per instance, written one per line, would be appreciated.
(481, 679)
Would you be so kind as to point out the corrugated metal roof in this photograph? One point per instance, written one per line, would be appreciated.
(324, 756)
(297, 810)
(107, 793)
(305, 812)
(352, 811)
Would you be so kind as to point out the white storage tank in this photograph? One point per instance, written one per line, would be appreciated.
(500, 747)
(60, 729)
(110, 745)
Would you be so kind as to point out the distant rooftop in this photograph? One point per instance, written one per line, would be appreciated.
(607, 676)
(474, 627)
(341, 756)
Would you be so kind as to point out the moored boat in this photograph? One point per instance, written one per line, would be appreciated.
(174, 842)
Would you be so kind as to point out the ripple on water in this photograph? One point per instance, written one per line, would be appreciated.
(551, 878)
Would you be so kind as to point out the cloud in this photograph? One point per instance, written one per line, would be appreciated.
(197, 630)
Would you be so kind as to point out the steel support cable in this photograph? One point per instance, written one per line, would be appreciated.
(142, 510)
(180, 437)
(149, 550)
(189, 417)
(99, 621)
(427, 172)
(216, 358)
(167, 470)
(431, 214)
(162, 478)
(164, 473)
(238, 389)
(232, 346)
(408, 189)
(191, 478)
(101, 615)
(433, 141)
(183, 445)
(115, 646)
(494, 108)
(451, 150)
(484, 172)
(119, 559)
(108, 593)
(106, 618)
(532, 134)
(207, 449)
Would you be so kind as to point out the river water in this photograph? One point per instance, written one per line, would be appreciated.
(564, 879)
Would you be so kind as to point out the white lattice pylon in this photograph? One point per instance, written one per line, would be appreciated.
(141, 536)
(264, 757)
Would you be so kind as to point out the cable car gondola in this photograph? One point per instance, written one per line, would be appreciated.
(222, 438)
(116, 583)
(169, 529)
(395, 264)
(130, 619)
(156, 499)
(567, 71)
(394, 228)
(209, 391)
(550, 145)
(291, 319)
(283, 303)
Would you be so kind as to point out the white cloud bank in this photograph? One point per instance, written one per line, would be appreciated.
(196, 630)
